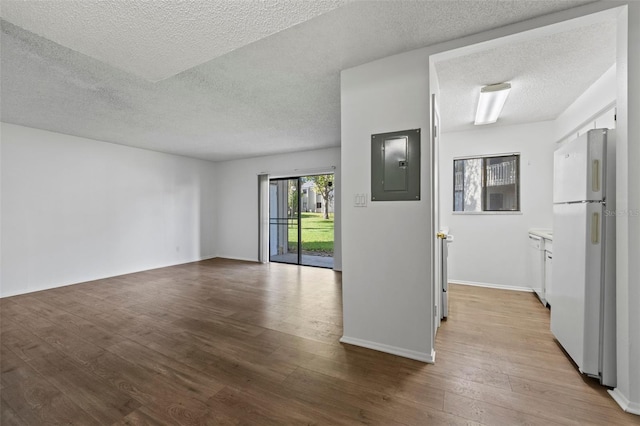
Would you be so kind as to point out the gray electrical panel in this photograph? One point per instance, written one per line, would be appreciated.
(395, 166)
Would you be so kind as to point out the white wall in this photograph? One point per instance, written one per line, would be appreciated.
(76, 209)
(595, 102)
(387, 246)
(627, 392)
(238, 195)
(492, 249)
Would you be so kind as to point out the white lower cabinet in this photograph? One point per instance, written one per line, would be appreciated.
(540, 264)
(548, 267)
(536, 266)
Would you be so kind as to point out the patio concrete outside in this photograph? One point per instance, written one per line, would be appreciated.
(307, 260)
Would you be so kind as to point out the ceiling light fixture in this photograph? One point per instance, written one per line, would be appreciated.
(491, 101)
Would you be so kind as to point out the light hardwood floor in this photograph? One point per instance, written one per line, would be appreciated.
(229, 342)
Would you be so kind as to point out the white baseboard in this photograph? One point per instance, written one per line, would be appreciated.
(394, 350)
(243, 259)
(624, 403)
(205, 258)
(489, 285)
(101, 277)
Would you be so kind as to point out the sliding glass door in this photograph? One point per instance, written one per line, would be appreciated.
(284, 221)
(301, 215)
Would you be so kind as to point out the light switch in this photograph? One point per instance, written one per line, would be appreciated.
(360, 200)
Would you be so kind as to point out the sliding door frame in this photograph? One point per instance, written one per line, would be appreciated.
(299, 214)
(298, 218)
(298, 180)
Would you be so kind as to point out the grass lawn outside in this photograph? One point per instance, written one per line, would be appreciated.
(317, 234)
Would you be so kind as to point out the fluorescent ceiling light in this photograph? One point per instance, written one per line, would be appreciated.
(491, 101)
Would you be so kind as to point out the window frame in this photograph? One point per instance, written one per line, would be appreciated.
(483, 178)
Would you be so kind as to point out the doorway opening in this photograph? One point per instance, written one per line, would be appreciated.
(301, 220)
(534, 137)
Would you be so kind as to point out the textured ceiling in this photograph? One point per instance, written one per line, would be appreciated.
(159, 39)
(278, 94)
(546, 75)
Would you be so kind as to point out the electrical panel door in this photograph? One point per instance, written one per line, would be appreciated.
(395, 166)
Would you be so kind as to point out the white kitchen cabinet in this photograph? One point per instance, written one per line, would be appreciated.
(539, 272)
(548, 267)
(536, 266)
(606, 120)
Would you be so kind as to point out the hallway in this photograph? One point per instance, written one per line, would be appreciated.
(505, 365)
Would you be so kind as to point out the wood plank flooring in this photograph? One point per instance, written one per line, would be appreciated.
(227, 342)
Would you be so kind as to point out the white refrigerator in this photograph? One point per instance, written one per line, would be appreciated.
(583, 311)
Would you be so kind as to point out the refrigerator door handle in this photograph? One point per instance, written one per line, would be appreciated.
(595, 228)
(595, 176)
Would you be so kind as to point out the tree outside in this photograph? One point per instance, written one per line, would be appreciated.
(293, 201)
(324, 187)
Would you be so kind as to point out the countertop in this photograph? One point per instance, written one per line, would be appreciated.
(547, 234)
